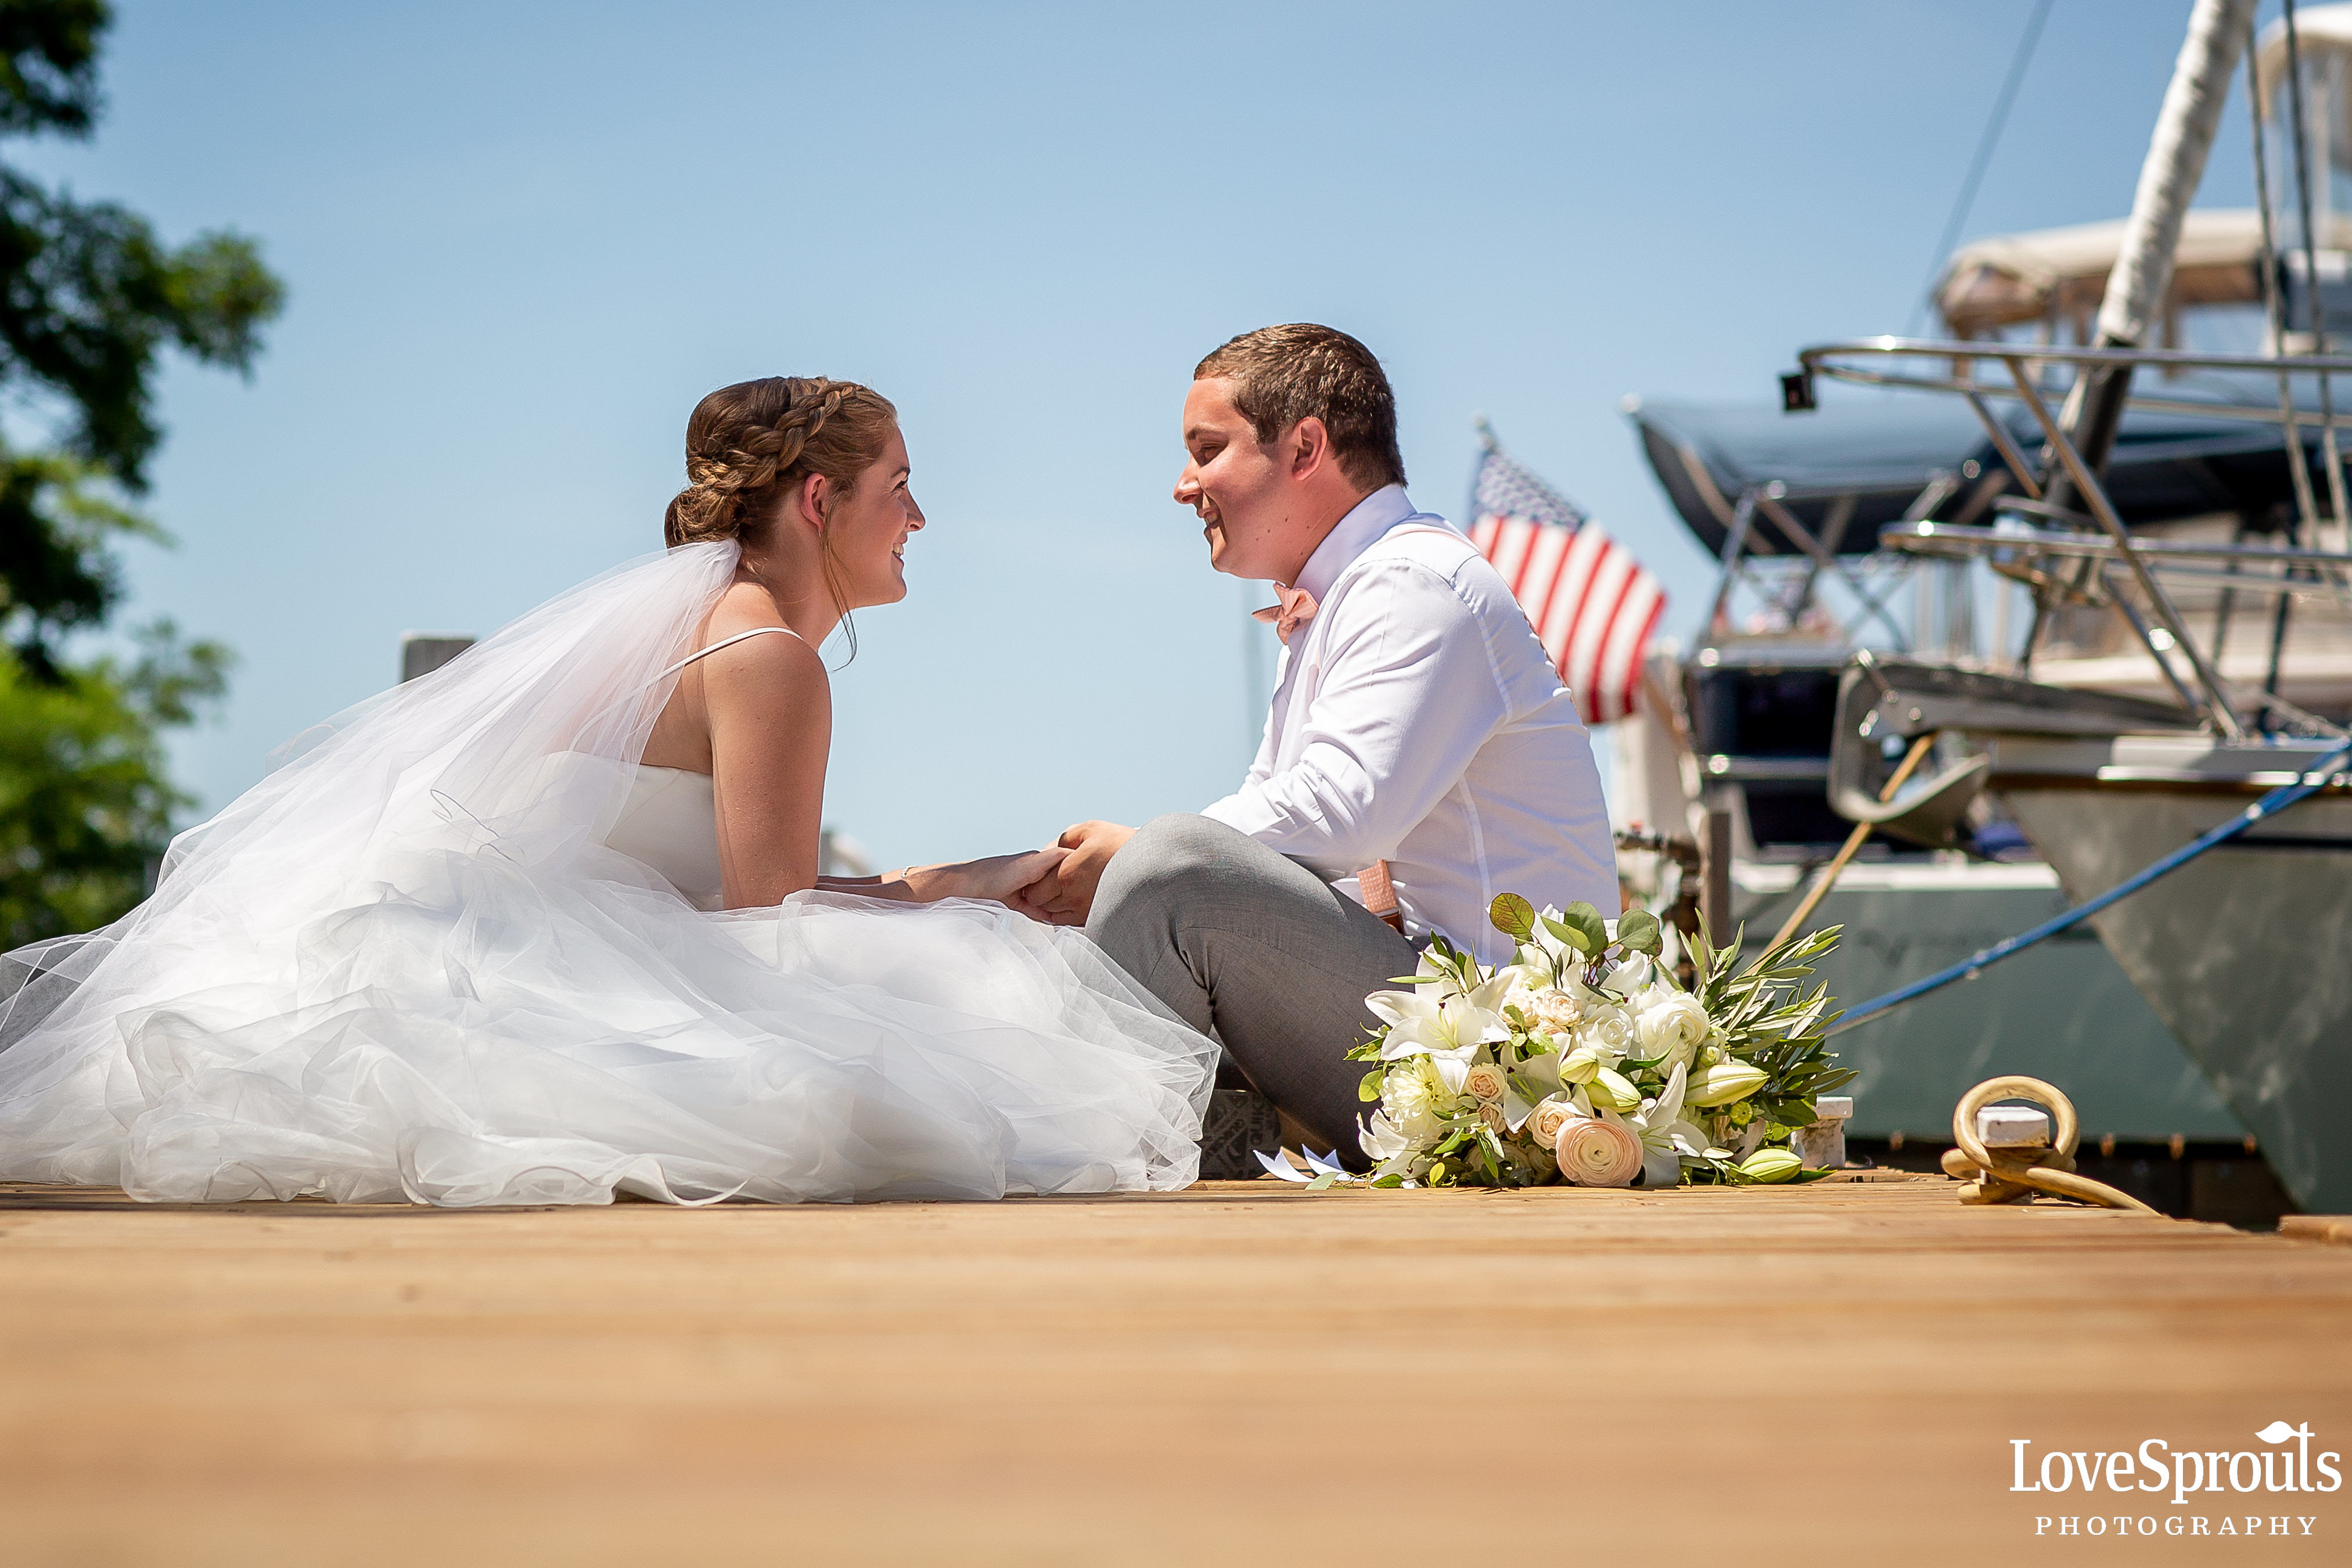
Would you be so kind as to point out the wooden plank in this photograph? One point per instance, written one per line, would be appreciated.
(2327, 1229)
(1241, 1372)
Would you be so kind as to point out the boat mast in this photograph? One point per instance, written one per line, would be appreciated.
(2167, 181)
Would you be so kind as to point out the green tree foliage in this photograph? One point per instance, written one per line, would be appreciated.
(90, 299)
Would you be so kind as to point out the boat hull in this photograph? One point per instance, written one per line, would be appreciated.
(2064, 1012)
(2240, 951)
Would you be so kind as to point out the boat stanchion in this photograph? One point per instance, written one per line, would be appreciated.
(1854, 840)
(2007, 1154)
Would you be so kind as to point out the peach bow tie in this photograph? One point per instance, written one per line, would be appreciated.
(1297, 608)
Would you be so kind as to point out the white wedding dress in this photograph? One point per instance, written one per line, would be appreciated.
(461, 949)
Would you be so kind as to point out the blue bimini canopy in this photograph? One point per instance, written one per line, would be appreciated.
(1869, 456)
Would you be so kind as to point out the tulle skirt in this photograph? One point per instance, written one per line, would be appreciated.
(407, 964)
(479, 1032)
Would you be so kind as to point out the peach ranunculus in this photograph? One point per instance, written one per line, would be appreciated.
(1597, 1154)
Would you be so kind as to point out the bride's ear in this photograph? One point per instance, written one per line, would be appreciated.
(808, 501)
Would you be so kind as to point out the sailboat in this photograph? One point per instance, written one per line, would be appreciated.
(2173, 667)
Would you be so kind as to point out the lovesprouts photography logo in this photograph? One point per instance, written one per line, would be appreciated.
(2286, 1464)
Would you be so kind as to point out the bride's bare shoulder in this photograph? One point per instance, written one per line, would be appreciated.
(747, 607)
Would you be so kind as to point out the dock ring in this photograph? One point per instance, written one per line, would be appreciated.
(2023, 1157)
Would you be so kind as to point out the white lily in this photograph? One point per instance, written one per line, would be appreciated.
(1447, 1030)
(1384, 1140)
(1541, 1071)
(1325, 1170)
(1544, 952)
(1628, 978)
(1613, 1089)
(1441, 980)
(1666, 1136)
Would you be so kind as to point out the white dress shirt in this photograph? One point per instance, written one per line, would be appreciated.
(1417, 719)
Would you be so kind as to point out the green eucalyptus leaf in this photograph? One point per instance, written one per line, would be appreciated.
(1570, 934)
(1513, 916)
(1638, 931)
(1369, 1088)
(1584, 918)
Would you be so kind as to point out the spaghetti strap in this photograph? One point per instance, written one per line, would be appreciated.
(673, 669)
(723, 642)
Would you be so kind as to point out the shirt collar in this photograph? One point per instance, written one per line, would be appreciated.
(1351, 535)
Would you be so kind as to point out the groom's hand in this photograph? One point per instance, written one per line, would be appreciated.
(1066, 895)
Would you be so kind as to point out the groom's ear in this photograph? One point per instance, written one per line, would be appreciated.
(1307, 447)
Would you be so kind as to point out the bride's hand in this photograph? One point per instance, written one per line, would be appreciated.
(997, 878)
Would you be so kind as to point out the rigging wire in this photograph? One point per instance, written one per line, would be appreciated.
(2306, 506)
(1985, 146)
(2313, 314)
(2316, 776)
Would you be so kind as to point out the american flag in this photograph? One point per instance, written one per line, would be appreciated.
(1593, 605)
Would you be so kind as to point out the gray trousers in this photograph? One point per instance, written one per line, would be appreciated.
(1252, 945)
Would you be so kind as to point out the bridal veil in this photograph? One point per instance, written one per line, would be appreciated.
(406, 965)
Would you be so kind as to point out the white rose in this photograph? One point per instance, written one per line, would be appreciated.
(1492, 1115)
(1608, 1032)
(1559, 1011)
(1672, 1025)
(1543, 1126)
(1486, 1083)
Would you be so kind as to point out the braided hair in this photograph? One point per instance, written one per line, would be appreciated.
(749, 445)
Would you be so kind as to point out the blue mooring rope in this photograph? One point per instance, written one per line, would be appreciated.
(2277, 800)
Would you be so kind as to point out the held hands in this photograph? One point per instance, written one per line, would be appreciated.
(1055, 885)
(1064, 894)
(1000, 878)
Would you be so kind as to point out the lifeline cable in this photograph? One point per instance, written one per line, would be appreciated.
(2313, 778)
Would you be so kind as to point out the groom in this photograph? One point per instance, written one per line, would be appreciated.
(1420, 755)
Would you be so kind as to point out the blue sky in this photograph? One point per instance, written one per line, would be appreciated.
(521, 240)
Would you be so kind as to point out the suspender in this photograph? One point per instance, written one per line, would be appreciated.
(1380, 894)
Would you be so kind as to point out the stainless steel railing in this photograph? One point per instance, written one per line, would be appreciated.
(1871, 362)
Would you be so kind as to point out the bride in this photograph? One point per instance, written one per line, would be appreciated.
(547, 925)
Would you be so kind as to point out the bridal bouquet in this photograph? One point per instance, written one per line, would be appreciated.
(1584, 1060)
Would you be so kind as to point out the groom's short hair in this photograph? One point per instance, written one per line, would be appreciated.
(1283, 375)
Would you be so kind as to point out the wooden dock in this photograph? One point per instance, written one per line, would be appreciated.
(1240, 1374)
